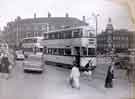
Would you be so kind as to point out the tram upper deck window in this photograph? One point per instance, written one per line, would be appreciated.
(56, 35)
(50, 36)
(77, 33)
(45, 36)
(88, 33)
(91, 51)
(68, 34)
(61, 35)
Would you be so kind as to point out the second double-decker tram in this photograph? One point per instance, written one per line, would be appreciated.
(31, 44)
(61, 46)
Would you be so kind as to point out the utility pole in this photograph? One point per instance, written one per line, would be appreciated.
(17, 35)
(96, 23)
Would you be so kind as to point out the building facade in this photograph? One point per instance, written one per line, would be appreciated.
(132, 40)
(110, 39)
(15, 31)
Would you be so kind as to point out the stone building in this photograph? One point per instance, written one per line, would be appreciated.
(112, 39)
(16, 30)
(132, 40)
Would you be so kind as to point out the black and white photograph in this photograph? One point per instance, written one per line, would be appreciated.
(67, 49)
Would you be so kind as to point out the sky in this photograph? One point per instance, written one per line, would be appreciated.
(10, 9)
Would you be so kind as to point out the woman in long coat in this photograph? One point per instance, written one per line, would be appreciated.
(5, 64)
(109, 77)
(74, 77)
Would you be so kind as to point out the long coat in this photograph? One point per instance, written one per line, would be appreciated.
(109, 78)
(75, 75)
(77, 60)
(4, 66)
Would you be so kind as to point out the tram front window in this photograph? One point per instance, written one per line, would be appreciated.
(91, 51)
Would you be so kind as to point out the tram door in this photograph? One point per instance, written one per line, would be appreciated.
(77, 55)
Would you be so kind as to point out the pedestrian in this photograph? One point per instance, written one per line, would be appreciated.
(5, 66)
(74, 77)
(109, 76)
(77, 59)
(34, 50)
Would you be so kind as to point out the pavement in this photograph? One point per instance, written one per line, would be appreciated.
(53, 84)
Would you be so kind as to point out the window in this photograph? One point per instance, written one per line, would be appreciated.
(44, 27)
(61, 51)
(55, 51)
(56, 35)
(28, 49)
(67, 51)
(77, 33)
(45, 50)
(91, 51)
(84, 51)
(68, 34)
(61, 35)
(50, 36)
(49, 50)
(30, 41)
(45, 36)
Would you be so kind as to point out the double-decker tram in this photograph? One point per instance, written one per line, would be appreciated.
(32, 44)
(61, 46)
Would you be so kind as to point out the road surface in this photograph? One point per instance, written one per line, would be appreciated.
(53, 84)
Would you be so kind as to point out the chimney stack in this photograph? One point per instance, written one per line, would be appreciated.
(66, 15)
(49, 14)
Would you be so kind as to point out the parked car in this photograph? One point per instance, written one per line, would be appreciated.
(33, 62)
(19, 55)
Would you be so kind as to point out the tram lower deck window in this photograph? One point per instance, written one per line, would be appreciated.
(55, 51)
(49, 50)
(84, 51)
(61, 51)
(67, 51)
